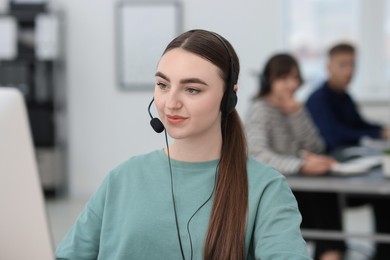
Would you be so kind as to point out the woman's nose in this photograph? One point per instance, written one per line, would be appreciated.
(173, 100)
(293, 85)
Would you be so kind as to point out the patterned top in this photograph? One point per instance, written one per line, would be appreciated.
(277, 139)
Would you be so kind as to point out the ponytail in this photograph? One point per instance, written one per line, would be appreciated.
(225, 238)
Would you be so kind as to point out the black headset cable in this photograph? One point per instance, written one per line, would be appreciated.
(173, 198)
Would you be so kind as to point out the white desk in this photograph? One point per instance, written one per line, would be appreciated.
(370, 184)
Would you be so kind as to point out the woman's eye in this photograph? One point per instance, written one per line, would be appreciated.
(193, 91)
(161, 85)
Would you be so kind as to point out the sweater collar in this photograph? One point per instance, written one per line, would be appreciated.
(332, 92)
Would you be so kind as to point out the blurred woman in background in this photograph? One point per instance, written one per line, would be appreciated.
(281, 134)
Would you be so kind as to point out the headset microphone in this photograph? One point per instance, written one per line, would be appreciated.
(156, 124)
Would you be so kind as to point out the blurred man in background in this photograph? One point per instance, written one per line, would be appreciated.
(339, 122)
(334, 111)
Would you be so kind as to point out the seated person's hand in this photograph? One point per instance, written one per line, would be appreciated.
(315, 164)
(288, 104)
(386, 133)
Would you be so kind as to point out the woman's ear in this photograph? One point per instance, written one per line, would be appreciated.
(235, 88)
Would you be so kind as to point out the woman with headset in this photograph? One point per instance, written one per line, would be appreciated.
(201, 197)
(281, 134)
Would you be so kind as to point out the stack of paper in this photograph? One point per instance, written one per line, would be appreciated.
(357, 166)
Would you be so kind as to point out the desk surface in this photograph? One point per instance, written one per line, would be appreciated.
(371, 183)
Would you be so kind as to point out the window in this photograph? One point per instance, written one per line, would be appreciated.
(313, 26)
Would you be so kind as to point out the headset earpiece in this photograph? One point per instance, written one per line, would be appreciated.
(229, 102)
(229, 99)
(264, 82)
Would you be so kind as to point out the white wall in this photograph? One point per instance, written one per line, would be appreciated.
(376, 112)
(3, 6)
(107, 125)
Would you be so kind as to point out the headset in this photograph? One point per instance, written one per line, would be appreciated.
(228, 103)
(265, 84)
(229, 99)
(156, 123)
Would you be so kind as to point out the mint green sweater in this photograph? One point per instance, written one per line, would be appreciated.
(131, 215)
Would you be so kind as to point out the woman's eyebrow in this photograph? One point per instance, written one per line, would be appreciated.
(161, 75)
(182, 81)
(193, 80)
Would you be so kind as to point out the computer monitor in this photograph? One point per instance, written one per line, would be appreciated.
(24, 226)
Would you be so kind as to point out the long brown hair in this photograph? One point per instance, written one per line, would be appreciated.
(225, 237)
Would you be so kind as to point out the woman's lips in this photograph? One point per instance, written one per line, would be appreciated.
(175, 119)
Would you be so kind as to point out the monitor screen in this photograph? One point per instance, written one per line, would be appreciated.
(24, 224)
